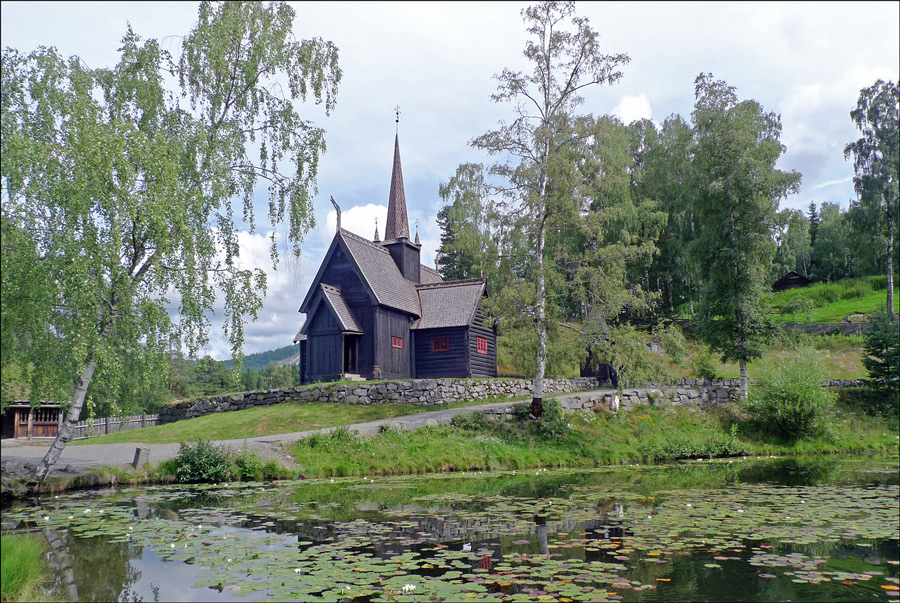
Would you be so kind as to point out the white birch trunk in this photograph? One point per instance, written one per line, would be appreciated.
(890, 264)
(66, 430)
(743, 390)
(537, 399)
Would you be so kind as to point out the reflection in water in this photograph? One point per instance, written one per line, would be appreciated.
(606, 517)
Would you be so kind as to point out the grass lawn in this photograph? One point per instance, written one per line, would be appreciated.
(267, 420)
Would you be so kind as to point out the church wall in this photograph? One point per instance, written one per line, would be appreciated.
(482, 365)
(324, 345)
(393, 362)
(450, 363)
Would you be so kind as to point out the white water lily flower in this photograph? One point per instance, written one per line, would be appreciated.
(740, 510)
(297, 570)
(688, 505)
(408, 587)
(228, 560)
(71, 517)
(46, 518)
(172, 546)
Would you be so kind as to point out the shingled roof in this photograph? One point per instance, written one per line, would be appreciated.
(449, 304)
(397, 223)
(429, 276)
(341, 309)
(380, 273)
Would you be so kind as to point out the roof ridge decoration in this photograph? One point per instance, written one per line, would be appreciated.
(356, 237)
(397, 221)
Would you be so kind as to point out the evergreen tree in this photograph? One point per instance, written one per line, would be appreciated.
(882, 361)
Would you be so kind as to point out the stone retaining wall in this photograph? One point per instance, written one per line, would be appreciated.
(704, 395)
(438, 392)
(419, 392)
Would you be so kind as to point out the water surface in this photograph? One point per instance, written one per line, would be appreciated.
(738, 530)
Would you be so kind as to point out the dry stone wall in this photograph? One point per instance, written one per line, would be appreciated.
(438, 392)
(419, 392)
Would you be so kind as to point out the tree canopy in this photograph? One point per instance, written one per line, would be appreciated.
(123, 188)
(876, 161)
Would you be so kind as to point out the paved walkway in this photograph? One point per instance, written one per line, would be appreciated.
(19, 456)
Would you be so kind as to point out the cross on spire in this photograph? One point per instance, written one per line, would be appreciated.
(397, 120)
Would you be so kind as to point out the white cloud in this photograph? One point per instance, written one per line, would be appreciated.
(359, 219)
(632, 108)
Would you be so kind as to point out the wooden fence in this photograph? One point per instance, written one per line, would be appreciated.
(98, 427)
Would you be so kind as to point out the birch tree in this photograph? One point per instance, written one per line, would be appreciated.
(565, 58)
(124, 187)
(737, 188)
(876, 160)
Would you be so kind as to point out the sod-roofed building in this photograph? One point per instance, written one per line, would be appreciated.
(375, 312)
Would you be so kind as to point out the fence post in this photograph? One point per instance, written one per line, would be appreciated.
(106, 425)
(143, 420)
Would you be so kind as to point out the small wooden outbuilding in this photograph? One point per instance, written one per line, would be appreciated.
(21, 420)
(791, 280)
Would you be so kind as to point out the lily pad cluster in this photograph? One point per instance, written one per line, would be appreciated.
(575, 539)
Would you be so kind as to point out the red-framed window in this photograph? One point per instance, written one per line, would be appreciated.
(481, 345)
(440, 344)
(397, 342)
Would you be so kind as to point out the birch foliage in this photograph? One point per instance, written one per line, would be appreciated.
(123, 188)
(565, 58)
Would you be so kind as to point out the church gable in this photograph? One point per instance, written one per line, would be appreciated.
(339, 270)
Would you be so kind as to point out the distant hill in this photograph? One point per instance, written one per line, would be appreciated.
(262, 359)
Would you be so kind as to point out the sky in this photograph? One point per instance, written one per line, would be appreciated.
(806, 61)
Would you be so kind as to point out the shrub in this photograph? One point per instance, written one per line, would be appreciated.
(553, 423)
(882, 360)
(672, 341)
(477, 421)
(789, 398)
(704, 366)
(201, 462)
(247, 465)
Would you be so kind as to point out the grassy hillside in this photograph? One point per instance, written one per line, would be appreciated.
(832, 302)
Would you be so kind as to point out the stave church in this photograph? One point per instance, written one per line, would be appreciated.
(375, 312)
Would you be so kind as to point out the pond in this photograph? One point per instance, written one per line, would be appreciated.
(727, 530)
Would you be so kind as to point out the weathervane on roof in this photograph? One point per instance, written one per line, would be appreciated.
(377, 238)
(397, 112)
(417, 233)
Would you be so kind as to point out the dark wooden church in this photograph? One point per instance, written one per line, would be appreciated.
(375, 312)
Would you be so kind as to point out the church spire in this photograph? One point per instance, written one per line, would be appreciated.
(397, 225)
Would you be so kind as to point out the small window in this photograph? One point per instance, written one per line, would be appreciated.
(440, 344)
(482, 345)
(397, 342)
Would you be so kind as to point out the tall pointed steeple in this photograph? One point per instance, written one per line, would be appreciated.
(397, 222)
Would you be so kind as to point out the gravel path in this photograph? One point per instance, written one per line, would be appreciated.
(20, 457)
